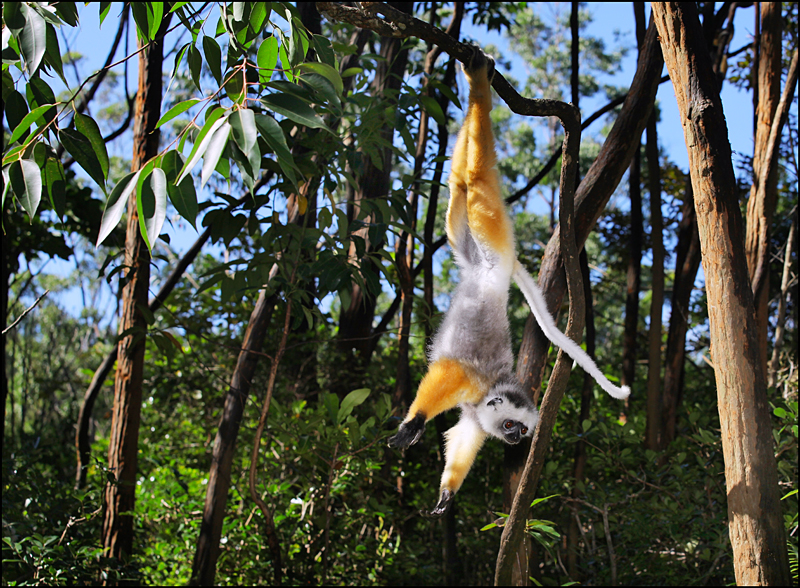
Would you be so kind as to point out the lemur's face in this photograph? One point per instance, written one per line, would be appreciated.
(505, 424)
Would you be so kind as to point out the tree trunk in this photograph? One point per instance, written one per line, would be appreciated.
(579, 467)
(630, 351)
(355, 323)
(592, 195)
(754, 509)
(761, 207)
(123, 446)
(219, 479)
(653, 428)
(687, 262)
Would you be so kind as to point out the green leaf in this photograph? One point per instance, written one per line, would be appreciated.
(350, 401)
(141, 16)
(39, 94)
(26, 181)
(53, 53)
(155, 15)
(176, 110)
(285, 65)
(327, 72)
(213, 57)
(88, 127)
(294, 109)
(56, 184)
(213, 122)
(267, 59)
(273, 134)
(243, 125)
(432, 108)
(151, 204)
(81, 148)
(26, 122)
(214, 150)
(298, 42)
(33, 40)
(195, 65)
(116, 205)
(182, 195)
(324, 50)
(104, 8)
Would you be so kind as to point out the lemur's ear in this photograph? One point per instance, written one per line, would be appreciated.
(494, 401)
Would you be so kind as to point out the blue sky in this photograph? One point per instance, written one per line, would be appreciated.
(609, 18)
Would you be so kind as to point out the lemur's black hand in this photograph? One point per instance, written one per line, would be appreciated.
(478, 61)
(409, 433)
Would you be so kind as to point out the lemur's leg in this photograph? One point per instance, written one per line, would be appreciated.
(447, 384)
(457, 209)
(488, 219)
(464, 441)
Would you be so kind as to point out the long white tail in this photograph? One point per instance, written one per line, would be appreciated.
(538, 305)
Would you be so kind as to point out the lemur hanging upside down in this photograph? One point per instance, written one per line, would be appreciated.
(471, 361)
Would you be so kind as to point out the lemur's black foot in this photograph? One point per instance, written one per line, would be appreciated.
(409, 433)
(445, 500)
(478, 61)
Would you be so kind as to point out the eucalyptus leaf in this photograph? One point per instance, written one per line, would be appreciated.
(26, 181)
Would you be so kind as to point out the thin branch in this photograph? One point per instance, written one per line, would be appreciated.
(25, 313)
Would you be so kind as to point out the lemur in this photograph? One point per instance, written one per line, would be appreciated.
(470, 359)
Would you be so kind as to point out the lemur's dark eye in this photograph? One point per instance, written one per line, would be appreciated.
(524, 430)
(509, 425)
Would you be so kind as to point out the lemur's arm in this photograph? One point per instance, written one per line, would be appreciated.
(447, 384)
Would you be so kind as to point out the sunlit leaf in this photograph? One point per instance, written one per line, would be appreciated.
(116, 205)
(267, 59)
(243, 125)
(327, 72)
(33, 40)
(212, 153)
(151, 204)
(177, 110)
(26, 181)
(213, 122)
(26, 122)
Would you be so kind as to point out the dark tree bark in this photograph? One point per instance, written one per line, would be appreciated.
(630, 348)
(653, 428)
(687, 263)
(579, 467)
(120, 496)
(219, 479)
(593, 193)
(761, 207)
(754, 509)
(355, 323)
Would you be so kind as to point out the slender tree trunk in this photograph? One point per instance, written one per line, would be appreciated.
(123, 446)
(579, 467)
(687, 263)
(781, 320)
(355, 323)
(754, 509)
(630, 349)
(592, 195)
(653, 428)
(761, 207)
(219, 479)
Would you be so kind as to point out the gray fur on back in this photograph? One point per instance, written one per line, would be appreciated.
(475, 329)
